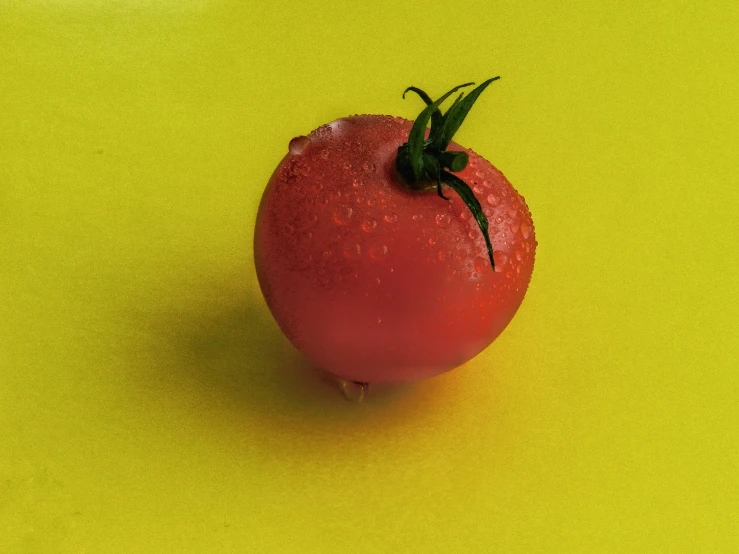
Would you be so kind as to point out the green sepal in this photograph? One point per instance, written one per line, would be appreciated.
(466, 194)
(416, 136)
(456, 115)
(436, 122)
(433, 170)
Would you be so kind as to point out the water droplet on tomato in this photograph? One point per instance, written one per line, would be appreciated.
(378, 251)
(472, 234)
(482, 265)
(443, 220)
(415, 217)
(391, 218)
(499, 219)
(492, 199)
(519, 255)
(432, 241)
(526, 230)
(352, 251)
(513, 212)
(480, 174)
(324, 154)
(336, 125)
(368, 166)
(443, 255)
(500, 260)
(514, 227)
(488, 211)
(298, 145)
(370, 202)
(369, 224)
(312, 219)
(343, 215)
(327, 254)
(379, 320)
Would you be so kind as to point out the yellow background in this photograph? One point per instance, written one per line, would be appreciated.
(148, 402)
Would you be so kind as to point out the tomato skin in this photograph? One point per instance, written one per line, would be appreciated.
(377, 283)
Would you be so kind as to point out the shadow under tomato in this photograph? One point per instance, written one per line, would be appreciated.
(225, 356)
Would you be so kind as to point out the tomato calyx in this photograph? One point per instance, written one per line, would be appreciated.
(426, 163)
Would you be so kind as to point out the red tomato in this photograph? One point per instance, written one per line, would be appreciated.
(376, 282)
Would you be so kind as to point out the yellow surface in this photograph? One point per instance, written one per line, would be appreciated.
(148, 402)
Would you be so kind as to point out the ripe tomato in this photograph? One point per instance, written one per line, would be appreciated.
(375, 277)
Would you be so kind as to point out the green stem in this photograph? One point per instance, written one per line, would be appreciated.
(426, 163)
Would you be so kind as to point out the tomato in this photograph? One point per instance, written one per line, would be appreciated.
(377, 278)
